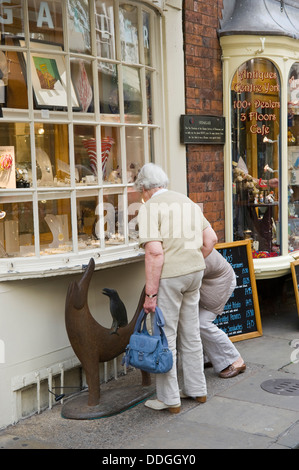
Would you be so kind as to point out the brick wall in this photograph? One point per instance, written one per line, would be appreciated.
(203, 75)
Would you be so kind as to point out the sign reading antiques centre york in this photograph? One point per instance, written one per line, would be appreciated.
(195, 129)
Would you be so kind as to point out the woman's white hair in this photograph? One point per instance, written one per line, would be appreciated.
(151, 176)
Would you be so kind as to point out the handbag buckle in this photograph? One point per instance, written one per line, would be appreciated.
(140, 355)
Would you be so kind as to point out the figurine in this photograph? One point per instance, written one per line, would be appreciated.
(270, 198)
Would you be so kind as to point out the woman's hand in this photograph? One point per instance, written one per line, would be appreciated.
(150, 304)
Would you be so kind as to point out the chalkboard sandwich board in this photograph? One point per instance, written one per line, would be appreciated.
(295, 276)
(241, 317)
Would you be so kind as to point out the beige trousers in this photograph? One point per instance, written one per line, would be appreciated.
(178, 299)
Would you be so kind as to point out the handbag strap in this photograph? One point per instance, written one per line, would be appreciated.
(158, 324)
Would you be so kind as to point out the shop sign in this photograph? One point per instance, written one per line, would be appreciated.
(195, 129)
(258, 112)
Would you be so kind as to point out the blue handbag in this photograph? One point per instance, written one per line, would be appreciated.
(149, 352)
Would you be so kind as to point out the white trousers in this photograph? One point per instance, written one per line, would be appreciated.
(178, 299)
(216, 344)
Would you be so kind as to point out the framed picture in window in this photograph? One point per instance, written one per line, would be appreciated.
(48, 75)
(7, 167)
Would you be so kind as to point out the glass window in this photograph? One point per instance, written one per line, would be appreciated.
(52, 156)
(132, 94)
(15, 161)
(13, 88)
(113, 213)
(77, 110)
(79, 26)
(105, 29)
(16, 229)
(108, 91)
(81, 74)
(45, 21)
(12, 18)
(54, 225)
(128, 29)
(134, 151)
(87, 223)
(255, 101)
(146, 38)
(293, 158)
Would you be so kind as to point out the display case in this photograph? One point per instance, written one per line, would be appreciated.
(293, 158)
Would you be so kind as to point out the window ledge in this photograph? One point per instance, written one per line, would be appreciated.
(12, 269)
(269, 268)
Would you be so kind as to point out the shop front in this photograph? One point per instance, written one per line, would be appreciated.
(84, 102)
(260, 46)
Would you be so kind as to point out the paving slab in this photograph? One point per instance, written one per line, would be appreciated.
(249, 390)
(186, 434)
(10, 441)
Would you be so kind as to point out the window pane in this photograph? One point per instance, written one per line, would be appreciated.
(52, 156)
(146, 38)
(13, 87)
(134, 203)
(108, 91)
(148, 77)
(135, 151)
(255, 153)
(16, 229)
(79, 26)
(113, 219)
(45, 20)
(128, 29)
(105, 29)
(15, 160)
(88, 226)
(81, 72)
(293, 157)
(13, 19)
(111, 155)
(85, 149)
(55, 226)
(132, 94)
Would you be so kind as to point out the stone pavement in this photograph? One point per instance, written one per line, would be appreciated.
(239, 413)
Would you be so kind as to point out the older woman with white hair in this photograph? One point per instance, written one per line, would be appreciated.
(171, 230)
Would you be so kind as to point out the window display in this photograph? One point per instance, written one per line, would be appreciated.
(77, 124)
(255, 101)
(293, 158)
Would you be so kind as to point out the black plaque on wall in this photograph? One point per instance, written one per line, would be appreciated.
(195, 129)
(241, 318)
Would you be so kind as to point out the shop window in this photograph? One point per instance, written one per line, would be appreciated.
(78, 119)
(293, 158)
(255, 102)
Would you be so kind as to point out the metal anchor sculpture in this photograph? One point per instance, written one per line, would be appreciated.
(91, 342)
